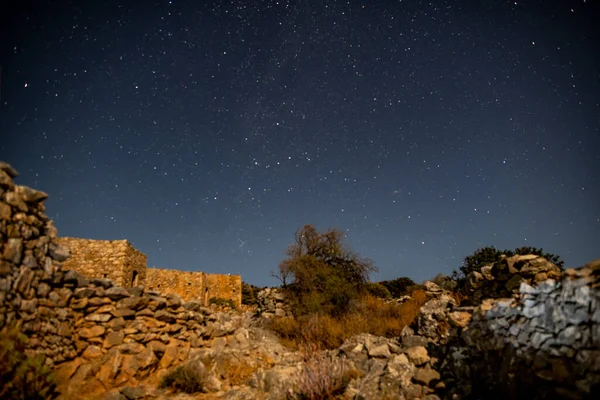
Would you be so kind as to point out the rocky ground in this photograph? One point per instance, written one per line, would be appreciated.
(543, 342)
(524, 330)
(252, 364)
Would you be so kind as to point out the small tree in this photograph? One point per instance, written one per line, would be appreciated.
(321, 274)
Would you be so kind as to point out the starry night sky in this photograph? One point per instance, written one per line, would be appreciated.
(207, 133)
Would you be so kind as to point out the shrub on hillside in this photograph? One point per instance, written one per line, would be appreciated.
(399, 287)
(489, 255)
(188, 378)
(377, 290)
(367, 315)
(249, 294)
(21, 376)
(320, 274)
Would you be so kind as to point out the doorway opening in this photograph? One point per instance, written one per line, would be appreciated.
(134, 279)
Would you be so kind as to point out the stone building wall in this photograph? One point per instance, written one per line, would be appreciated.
(196, 285)
(116, 260)
(120, 262)
(228, 287)
(134, 272)
(187, 285)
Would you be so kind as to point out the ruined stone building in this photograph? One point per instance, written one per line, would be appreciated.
(120, 262)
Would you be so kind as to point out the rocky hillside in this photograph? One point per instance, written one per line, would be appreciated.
(524, 330)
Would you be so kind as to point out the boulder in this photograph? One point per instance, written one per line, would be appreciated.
(417, 355)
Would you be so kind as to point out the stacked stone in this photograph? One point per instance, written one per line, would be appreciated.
(271, 303)
(89, 328)
(391, 369)
(123, 335)
(547, 340)
(29, 255)
(503, 278)
(113, 259)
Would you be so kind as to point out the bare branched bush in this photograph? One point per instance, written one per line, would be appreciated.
(323, 377)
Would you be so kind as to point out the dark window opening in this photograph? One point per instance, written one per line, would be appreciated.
(134, 279)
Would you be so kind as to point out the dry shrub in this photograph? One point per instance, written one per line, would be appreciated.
(21, 376)
(322, 377)
(318, 331)
(188, 378)
(287, 328)
(370, 314)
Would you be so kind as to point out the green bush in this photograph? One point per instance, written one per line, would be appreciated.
(249, 294)
(399, 287)
(218, 301)
(22, 377)
(378, 290)
(187, 378)
(322, 275)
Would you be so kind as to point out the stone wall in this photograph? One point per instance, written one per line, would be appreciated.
(120, 262)
(94, 333)
(503, 278)
(542, 343)
(187, 285)
(196, 285)
(228, 287)
(271, 303)
(116, 260)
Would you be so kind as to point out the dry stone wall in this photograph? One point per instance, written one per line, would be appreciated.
(94, 332)
(543, 342)
(503, 279)
(549, 338)
(116, 260)
(271, 303)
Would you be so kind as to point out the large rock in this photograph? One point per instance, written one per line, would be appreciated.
(417, 355)
(94, 331)
(425, 376)
(432, 321)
